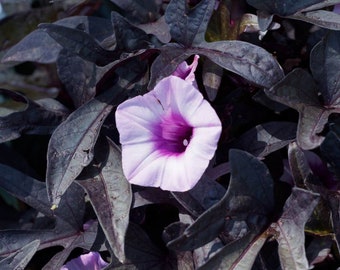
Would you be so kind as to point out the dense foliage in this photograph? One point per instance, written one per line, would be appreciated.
(269, 198)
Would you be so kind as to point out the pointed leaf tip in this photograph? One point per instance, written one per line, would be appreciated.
(188, 26)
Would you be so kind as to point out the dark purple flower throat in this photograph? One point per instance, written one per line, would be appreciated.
(172, 134)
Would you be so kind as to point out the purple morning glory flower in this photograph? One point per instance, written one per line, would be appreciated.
(187, 72)
(168, 136)
(89, 261)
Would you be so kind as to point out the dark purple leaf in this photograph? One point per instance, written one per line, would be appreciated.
(188, 26)
(263, 99)
(83, 239)
(13, 30)
(298, 164)
(266, 138)
(326, 54)
(13, 240)
(38, 46)
(34, 119)
(239, 254)
(53, 105)
(129, 72)
(247, 203)
(133, 75)
(202, 254)
(71, 145)
(113, 206)
(204, 195)
(330, 151)
(152, 196)
(282, 7)
(139, 11)
(129, 38)
(264, 19)
(321, 5)
(78, 77)
(322, 18)
(159, 28)
(20, 259)
(80, 43)
(304, 177)
(334, 202)
(33, 193)
(289, 229)
(166, 63)
(141, 253)
(249, 61)
(319, 249)
(299, 91)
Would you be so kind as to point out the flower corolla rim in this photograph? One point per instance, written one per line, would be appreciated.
(168, 135)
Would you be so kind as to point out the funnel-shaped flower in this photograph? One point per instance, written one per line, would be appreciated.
(89, 261)
(168, 136)
(187, 72)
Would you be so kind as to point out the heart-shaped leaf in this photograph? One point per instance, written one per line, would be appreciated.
(20, 259)
(289, 229)
(68, 231)
(71, 145)
(299, 91)
(266, 138)
(113, 206)
(12, 240)
(249, 199)
(188, 26)
(239, 254)
(83, 239)
(327, 54)
(33, 193)
(78, 77)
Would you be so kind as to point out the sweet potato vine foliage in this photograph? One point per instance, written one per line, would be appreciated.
(170, 134)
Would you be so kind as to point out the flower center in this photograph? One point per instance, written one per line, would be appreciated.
(173, 134)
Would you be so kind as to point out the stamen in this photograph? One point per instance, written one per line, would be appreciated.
(185, 142)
